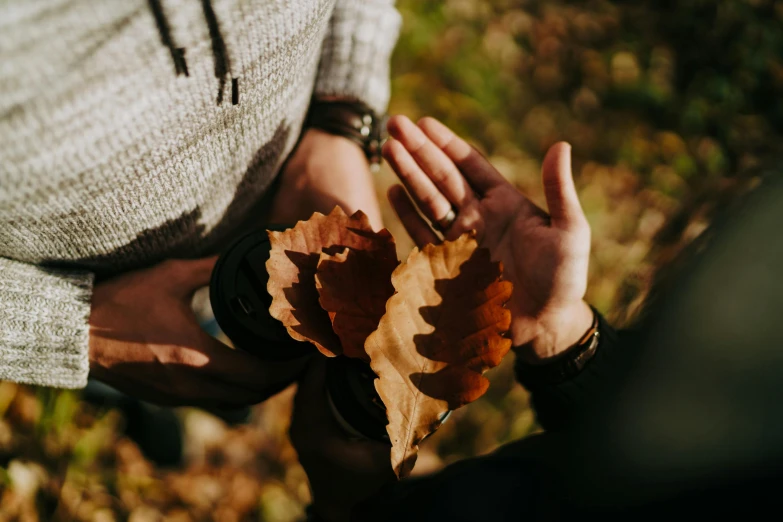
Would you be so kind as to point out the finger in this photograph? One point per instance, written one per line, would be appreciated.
(188, 275)
(479, 172)
(429, 199)
(193, 389)
(414, 224)
(432, 160)
(258, 378)
(559, 189)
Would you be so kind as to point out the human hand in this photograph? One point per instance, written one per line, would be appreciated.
(343, 471)
(145, 341)
(544, 255)
(325, 171)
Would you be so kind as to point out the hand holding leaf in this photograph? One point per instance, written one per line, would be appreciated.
(428, 328)
(441, 331)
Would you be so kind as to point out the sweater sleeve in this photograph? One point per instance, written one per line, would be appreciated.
(558, 406)
(356, 52)
(44, 325)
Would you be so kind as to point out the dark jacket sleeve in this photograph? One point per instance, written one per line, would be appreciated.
(558, 406)
(511, 484)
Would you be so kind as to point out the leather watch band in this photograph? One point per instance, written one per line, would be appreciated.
(352, 120)
(564, 367)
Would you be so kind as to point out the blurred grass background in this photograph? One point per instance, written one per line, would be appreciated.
(672, 108)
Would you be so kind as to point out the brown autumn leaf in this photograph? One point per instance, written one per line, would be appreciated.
(292, 263)
(442, 329)
(354, 286)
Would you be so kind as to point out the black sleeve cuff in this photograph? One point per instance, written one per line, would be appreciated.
(557, 405)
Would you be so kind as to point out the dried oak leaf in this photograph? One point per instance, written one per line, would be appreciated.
(292, 263)
(354, 286)
(442, 329)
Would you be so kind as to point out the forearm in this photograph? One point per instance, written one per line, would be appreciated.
(325, 171)
(340, 174)
(45, 330)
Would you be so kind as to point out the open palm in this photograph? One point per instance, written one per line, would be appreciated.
(545, 255)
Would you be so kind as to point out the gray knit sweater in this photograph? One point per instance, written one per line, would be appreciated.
(121, 143)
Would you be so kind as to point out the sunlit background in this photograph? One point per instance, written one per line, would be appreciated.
(672, 108)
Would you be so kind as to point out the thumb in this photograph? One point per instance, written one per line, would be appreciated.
(188, 275)
(561, 197)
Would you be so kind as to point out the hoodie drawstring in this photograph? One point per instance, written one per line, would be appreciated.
(177, 53)
(219, 50)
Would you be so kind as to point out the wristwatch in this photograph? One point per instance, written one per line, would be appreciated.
(566, 366)
(353, 120)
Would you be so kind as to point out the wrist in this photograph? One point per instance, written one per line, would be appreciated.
(324, 171)
(553, 333)
(320, 156)
(351, 120)
(313, 139)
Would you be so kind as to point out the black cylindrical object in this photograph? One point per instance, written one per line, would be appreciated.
(240, 302)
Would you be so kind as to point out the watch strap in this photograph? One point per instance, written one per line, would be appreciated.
(353, 120)
(565, 366)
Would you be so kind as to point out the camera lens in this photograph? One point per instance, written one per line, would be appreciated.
(240, 301)
(350, 385)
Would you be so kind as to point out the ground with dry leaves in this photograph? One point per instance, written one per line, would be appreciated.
(670, 106)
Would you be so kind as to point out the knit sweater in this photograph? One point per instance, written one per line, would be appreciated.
(135, 131)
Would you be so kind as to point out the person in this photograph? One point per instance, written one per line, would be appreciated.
(678, 417)
(137, 139)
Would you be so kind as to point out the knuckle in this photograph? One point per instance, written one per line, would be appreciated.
(416, 144)
(471, 221)
(437, 132)
(440, 174)
(465, 224)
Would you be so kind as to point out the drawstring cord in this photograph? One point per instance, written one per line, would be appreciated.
(177, 53)
(222, 63)
(219, 50)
